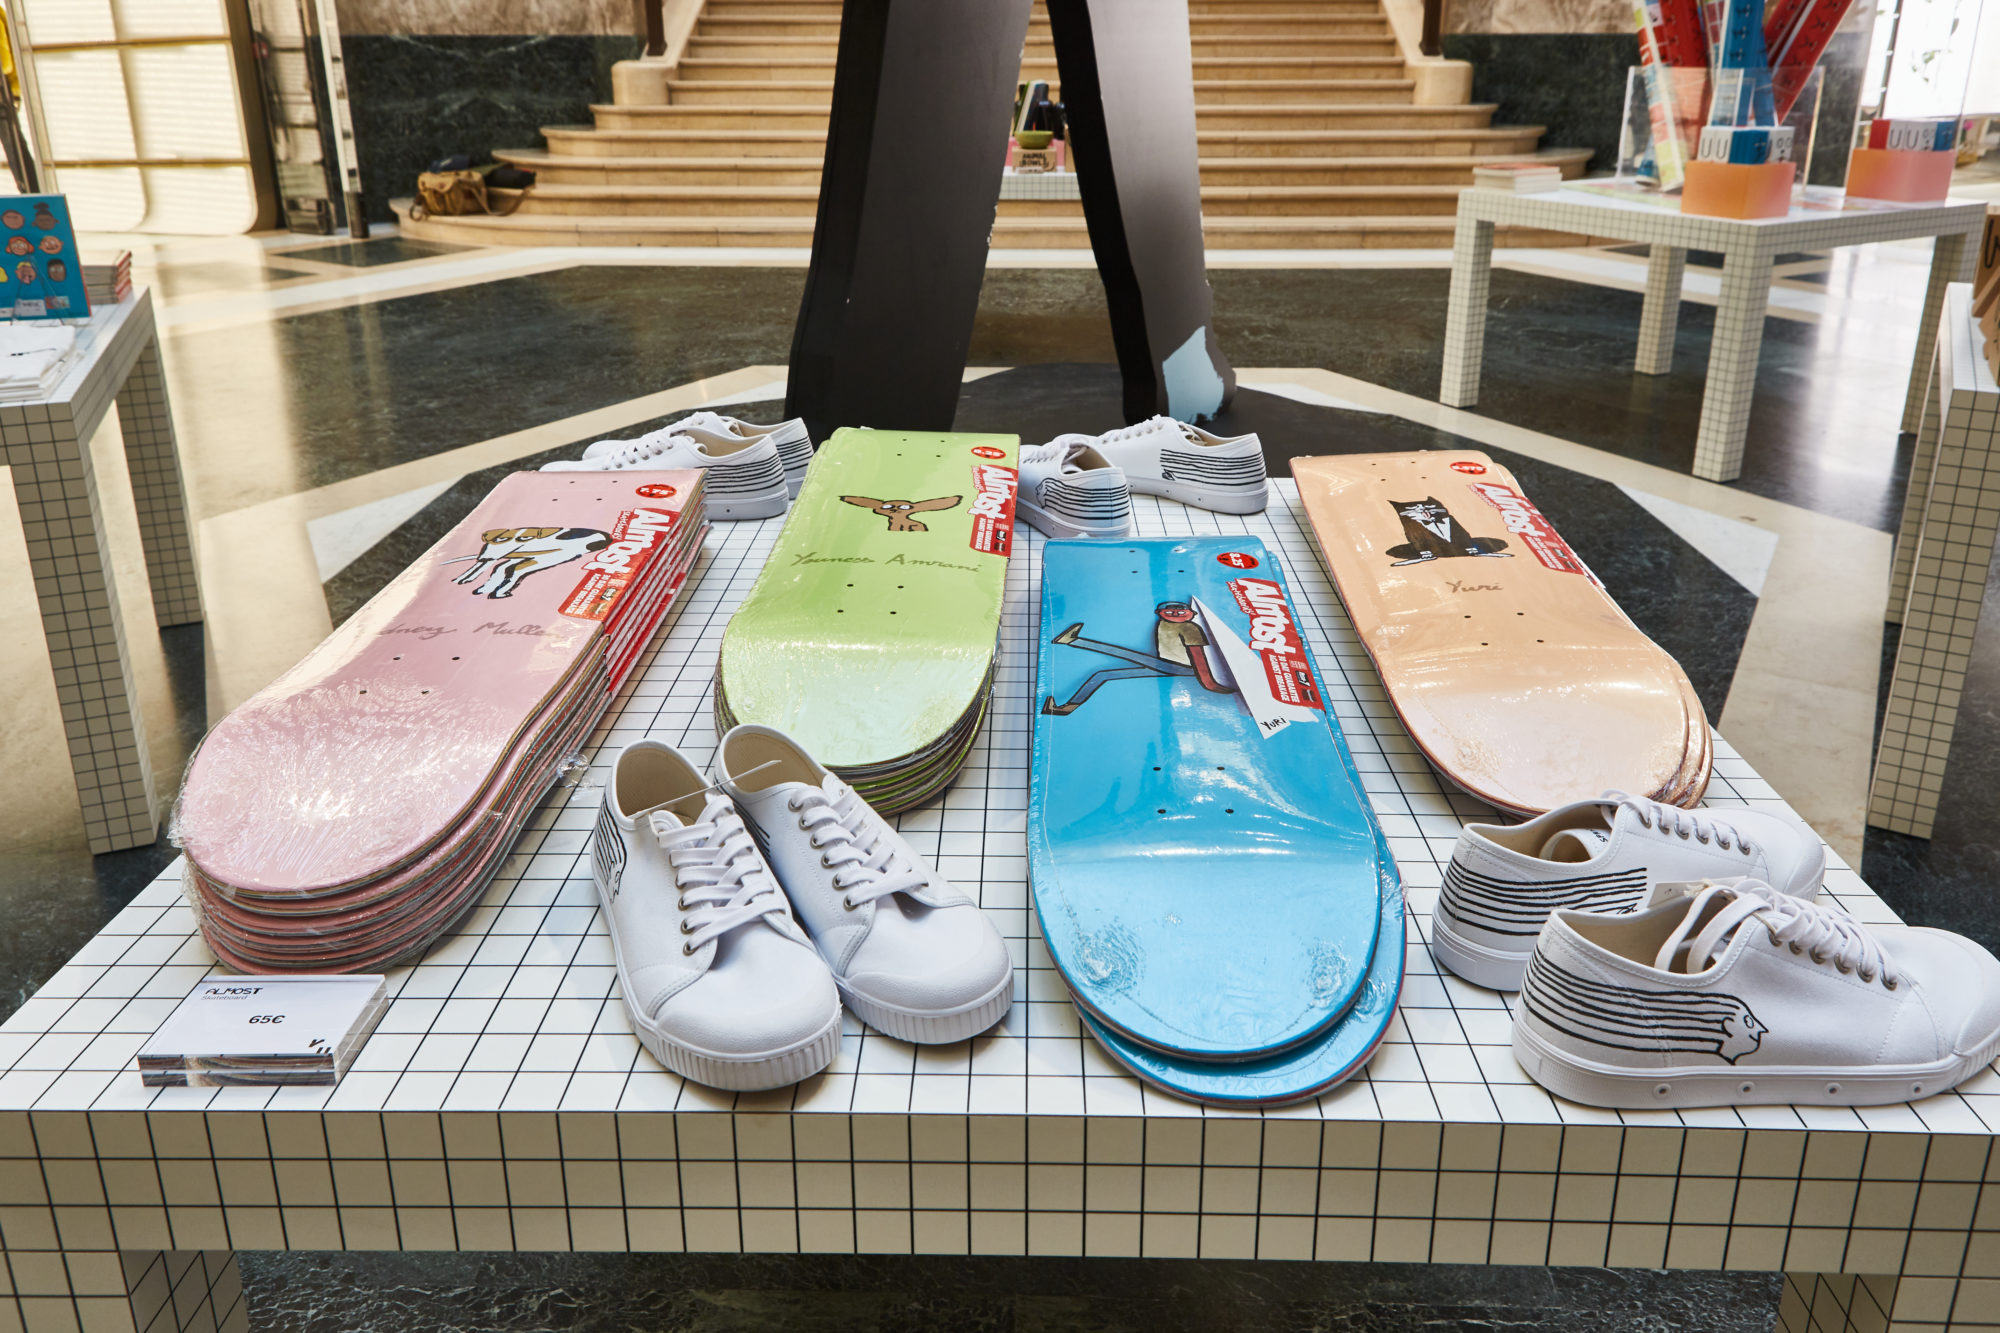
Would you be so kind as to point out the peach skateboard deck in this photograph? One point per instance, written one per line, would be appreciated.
(1513, 670)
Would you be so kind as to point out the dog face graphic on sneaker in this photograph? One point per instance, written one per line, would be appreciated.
(1628, 1019)
(898, 511)
(1431, 533)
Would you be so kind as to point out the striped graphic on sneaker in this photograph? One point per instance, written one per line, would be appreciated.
(1626, 1018)
(796, 451)
(1084, 504)
(607, 852)
(1211, 469)
(1506, 907)
(754, 476)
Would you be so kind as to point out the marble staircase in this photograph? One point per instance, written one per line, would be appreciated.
(1314, 133)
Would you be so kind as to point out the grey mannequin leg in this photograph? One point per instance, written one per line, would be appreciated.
(921, 95)
(1127, 81)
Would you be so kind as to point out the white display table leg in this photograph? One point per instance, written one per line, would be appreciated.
(1732, 365)
(1662, 311)
(148, 429)
(1465, 317)
(1872, 1303)
(133, 1291)
(62, 516)
(1948, 256)
(1910, 528)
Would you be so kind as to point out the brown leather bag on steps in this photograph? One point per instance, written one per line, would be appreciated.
(453, 194)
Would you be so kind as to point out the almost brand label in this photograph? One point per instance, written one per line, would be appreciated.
(1469, 469)
(987, 451)
(1274, 637)
(636, 538)
(1526, 522)
(658, 490)
(1237, 560)
(993, 485)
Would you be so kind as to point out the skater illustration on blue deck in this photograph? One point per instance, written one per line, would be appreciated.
(1182, 651)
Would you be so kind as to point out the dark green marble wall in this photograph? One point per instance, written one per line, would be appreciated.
(1572, 82)
(419, 98)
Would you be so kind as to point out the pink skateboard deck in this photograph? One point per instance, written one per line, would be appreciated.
(1513, 670)
(353, 808)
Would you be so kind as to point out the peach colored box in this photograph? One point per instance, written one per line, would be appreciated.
(1738, 189)
(1900, 175)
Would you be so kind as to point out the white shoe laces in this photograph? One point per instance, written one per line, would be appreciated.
(852, 845)
(722, 881)
(1145, 427)
(1826, 933)
(645, 447)
(1672, 821)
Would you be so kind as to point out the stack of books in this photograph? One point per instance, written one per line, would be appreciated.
(108, 284)
(1517, 177)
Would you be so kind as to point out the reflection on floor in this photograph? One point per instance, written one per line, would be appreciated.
(299, 363)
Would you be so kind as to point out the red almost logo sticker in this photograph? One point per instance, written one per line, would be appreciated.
(1525, 521)
(1237, 560)
(637, 536)
(658, 490)
(1470, 469)
(992, 510)
(987, 451)
(1274, 637)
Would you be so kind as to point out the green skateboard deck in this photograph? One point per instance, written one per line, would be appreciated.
(869, 636)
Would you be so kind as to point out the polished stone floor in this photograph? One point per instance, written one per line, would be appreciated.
(296, 367)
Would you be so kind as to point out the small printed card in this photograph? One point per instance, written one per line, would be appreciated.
(238, 1031)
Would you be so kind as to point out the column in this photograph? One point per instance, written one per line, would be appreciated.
(1732, 364)
(1662, 310)
(1465, 317)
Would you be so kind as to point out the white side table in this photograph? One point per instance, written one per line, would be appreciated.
(1747, 248)
(1944, 550)
(47, 444)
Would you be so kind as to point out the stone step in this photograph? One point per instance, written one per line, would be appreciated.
(1207, 93)
(1385, 108)
(1221, 234)
(1235, 25)
(1043, 47)
(701, 68)
(1438, 169)
(1494, 141)
(668, 201)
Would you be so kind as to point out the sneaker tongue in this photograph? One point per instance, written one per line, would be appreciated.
(1576, 844)
(1070, 467)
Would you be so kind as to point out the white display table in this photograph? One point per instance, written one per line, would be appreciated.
(503, 1104)
(47, 444)
(1944, 552)
(1747, 247)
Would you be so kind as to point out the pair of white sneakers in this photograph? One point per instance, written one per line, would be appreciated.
(1082, 485)
(746, 905)
(1676, 958)
(753, 471)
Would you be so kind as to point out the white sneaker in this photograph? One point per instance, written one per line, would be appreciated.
(911, 955)
(795, 449)
(1737, 995)
(1171, 458)
(1068, 490)
(1599, 856)
(746, 478)
(721, 984)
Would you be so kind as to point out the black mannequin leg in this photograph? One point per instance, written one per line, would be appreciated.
(1127, 81)
(921, 95)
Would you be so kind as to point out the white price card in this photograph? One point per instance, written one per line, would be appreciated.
(270, 1030)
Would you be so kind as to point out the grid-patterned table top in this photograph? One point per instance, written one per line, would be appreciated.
(519, 1010)
(1827, 220)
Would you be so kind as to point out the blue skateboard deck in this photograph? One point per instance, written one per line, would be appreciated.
(1318, 1066)
(1204, 864)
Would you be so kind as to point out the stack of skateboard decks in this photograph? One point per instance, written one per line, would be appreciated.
(1514, 672)
(349, 813)
(1210, 880)
(870, 635)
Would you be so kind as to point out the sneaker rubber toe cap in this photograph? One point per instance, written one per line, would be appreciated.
(950, 960)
